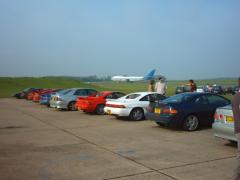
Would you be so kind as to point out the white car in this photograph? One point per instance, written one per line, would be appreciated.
(132, 105)
(223, 126)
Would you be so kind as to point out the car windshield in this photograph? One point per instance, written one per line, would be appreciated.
(178, 98)
(132, 96)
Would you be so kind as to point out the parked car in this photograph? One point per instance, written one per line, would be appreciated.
(228, 90)
(186, 110)
(96, 104)
(217, 89)
(223, 126)
(182, 89)
(200, 89)
(36, 95)
(23, 94)
(132, 105)
(68, 98)
(46, 97)
(31, 93)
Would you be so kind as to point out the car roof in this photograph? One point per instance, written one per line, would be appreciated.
(143, 93)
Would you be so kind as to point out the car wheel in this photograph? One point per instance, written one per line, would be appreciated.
(191, 123)
(137, 114)
(71, 106)
(100, 109)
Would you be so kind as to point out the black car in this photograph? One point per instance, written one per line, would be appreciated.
(23, 94)
(186, 110)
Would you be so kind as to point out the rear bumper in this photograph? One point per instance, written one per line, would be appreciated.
(58, 104)
(121, 112)
(86, 108)
(224, 131)
(167, 120)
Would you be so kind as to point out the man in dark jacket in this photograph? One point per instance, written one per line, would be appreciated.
(236, 115)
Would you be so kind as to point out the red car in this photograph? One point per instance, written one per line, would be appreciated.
(37, 95)
(31, 94)
(96, 104)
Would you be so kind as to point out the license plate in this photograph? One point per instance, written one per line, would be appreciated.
(157, 110)
(229, 119)
(109, 111)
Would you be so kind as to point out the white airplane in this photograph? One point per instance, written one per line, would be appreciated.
(148, 76)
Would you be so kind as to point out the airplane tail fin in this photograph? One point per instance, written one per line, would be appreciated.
(149, 75)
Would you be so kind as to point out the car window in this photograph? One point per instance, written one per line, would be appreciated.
(118, 94)
(214, 99)
(159, 96)
(64, 92)
(201, 100)
(132, 96)
(91, 91)
(178, 98)
(146, 98)
(81, 92)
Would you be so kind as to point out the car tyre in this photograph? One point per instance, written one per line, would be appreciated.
(136, 114)
(191, 123)
(100, 109)
(71, 106)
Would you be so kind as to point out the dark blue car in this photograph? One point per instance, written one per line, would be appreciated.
(186, 110)
(46, 97)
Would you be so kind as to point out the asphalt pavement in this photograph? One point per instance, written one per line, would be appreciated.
(37, 142)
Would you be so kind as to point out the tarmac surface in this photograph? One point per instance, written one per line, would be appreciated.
(37, 142)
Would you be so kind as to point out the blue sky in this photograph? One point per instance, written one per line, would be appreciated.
(181, 39)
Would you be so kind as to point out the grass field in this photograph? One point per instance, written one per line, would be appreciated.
(8, 86)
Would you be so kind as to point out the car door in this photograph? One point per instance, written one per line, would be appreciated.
(144, 101)
(202, 108)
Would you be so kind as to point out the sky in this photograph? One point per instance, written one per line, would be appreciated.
(181, 39)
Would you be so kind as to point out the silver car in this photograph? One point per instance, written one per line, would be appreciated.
(223, 125)
(66, 99)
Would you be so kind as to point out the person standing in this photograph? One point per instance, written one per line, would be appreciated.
(236, 116)
(193, 86)
(151, 86)
(160, 86)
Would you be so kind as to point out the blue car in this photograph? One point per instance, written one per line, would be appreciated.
(46, 97)
(186, 110)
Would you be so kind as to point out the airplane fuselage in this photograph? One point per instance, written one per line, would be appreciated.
(127, 78)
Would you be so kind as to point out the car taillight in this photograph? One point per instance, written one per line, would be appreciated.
(115, 105)
(218, 116)
(169, 110)
(221, 117)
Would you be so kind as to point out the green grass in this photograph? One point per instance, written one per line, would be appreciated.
(8, 86)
